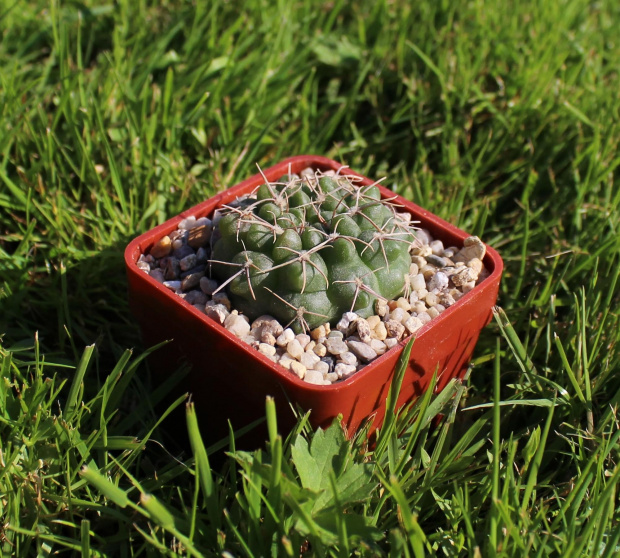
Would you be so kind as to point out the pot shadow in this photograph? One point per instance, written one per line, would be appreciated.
(68, 308)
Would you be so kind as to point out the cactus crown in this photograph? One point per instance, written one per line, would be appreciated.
(307, 248)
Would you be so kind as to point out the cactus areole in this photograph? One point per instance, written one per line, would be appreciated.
(307, 249)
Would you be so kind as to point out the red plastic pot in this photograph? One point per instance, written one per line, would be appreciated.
(230, 380)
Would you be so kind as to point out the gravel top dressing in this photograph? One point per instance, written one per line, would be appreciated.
(317, 273)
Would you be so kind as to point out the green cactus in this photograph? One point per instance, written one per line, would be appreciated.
(305, 250)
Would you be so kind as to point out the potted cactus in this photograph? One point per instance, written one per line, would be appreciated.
(308, 279)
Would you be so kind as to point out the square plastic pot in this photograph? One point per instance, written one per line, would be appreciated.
(230, 380)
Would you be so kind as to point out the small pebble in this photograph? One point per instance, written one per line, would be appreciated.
(378, 346)
(473, 247)
(437, 261)
(314, 377)
(413, 324)
(348, 358)
(423, 236)
(191, 281)
(465, 275)
(381, 307)
(362, 351)
(320, 350)
(438, 281)
(286, 360)
(419, 307)
(424, 317)
(380, 332)
(335, 346)
(309, 359)
(373, 321)
(336, 335)
(347, 322)
(237, 325)
(187, 223)
(322, 367)
(436, 247)
(182, 252)
(319, 332)
(303, 340)
(285, 337)
(173, 285)
(172, 269)
(222, 298)
(157, 274)
(266, 349)
(398, 314)
(207, 285)
(343, 371)
(216, 312)
(196, 298)
(143, 266)
(295, 349)
(363, 330)
(188, 262)
(391, 342)
(476, 265)
(302, 372)
(394, 328)
(433, 312)
(418, 282)
(199, 236)
(331, 377)
(162, 248)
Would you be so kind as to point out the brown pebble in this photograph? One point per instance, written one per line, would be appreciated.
(199, 236)
(162, 248)
(363, 330)
(394, 328)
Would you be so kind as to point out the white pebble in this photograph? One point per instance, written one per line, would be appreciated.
(299, 369)
(424, 317)
(438, 281)
(348, 358)
(378, 346)
(285, 337)
(391, 342)
(348, 318)
(321, 367)
(437, 247)
(237, 325)
(303, 340)
(314, 377)
(413, 324)
(295, 349)
(266, 349)
(309, 359)
(216, 312)
(418, 282)
(344, 370)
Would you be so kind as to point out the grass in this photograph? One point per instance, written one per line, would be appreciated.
(505, 121)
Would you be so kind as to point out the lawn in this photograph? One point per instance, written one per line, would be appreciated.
(502, 118)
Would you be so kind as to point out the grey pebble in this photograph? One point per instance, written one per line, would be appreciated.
(362, 351)
(437, 261)
(335, 346)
